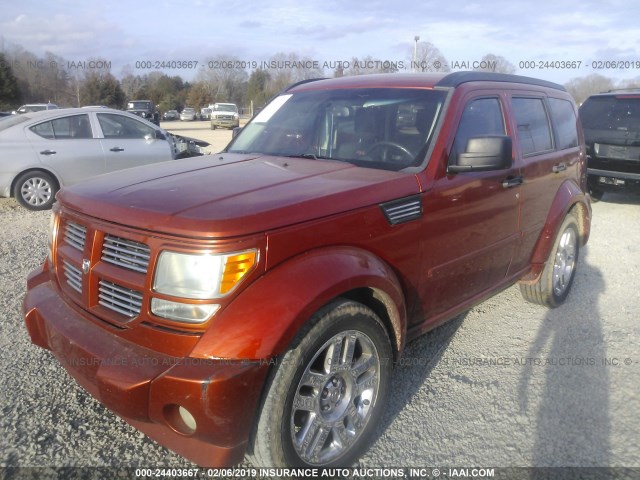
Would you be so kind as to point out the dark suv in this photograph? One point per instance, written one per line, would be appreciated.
(145, 109)
(254, 301)
(611, 123)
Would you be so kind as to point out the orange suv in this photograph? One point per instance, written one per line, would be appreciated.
(253, 302)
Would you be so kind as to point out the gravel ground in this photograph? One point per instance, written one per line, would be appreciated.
(506, 384)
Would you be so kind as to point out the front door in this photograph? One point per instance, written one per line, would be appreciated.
(129, 143)
(471, 219)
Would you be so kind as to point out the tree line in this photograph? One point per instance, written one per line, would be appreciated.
(27, 78)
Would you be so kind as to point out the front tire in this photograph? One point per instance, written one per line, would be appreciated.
(35, 190)
(327, 394)
(553, 286)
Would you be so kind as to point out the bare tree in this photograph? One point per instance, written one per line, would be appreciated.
(428, 58)
(284, 69)
(496, 64)
(630, 83)
(224, 79)
(367, 65)
(581, 88)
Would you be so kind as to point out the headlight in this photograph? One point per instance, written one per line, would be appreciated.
(198, 277)
(143, 115)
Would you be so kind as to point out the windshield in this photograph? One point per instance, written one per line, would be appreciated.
(221, 107)
(32, 108)
(387, 128)
(139, 105)
(611, 113)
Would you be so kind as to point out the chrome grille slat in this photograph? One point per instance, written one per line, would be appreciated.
(73, 276)
(119, 299)
(126, 253)
(75, 235)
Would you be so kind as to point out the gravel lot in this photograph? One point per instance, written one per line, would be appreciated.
(506, 384)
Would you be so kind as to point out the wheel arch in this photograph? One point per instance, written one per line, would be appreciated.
(34, 169)
(569, 199)
(268, 315)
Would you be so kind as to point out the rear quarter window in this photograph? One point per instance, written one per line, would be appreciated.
(565, 123)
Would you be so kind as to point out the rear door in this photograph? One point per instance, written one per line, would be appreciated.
(547, 161)
(127, 142)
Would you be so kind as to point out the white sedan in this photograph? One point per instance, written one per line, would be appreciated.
(41, 152)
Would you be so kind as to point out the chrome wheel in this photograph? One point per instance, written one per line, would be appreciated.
(565, 261)
(335, 397)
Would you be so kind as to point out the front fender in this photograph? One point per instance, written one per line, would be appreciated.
(569, 196)
(263, 320)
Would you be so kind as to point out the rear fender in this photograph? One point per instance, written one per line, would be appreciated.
(569, 197)
(263, 320)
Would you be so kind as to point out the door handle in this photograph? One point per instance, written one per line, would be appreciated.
(116, 149)
(47, 152)
(510, 182)
(561, 167)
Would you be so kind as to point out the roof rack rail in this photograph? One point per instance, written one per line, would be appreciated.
(456, 78)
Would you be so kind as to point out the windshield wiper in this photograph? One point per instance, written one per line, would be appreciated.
(310, 156)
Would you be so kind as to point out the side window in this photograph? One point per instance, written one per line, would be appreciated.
(480, 117)
(534, 133)
(119, 126)
(75, 126)
(564, 120)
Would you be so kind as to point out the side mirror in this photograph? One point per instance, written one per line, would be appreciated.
(160, 135)
(490, 152)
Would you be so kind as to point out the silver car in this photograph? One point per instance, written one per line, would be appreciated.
(188, 114)
(41, 152)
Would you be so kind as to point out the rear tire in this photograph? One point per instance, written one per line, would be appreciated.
(328, 392)
(556, 279)
(35, 190)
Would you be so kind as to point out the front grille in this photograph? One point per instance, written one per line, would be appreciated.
(75, 235)
(73, 276)
(119, 299)
(126, 253)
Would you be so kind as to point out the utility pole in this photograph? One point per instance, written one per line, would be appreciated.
(415, 52)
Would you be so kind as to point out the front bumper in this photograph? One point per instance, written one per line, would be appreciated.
(225, 123)
(145, 387)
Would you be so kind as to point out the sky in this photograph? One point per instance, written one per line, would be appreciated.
(555, 40)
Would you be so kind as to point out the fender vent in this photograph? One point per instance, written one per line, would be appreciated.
(403, 210)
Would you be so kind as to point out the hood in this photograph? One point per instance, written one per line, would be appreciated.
(228, 195)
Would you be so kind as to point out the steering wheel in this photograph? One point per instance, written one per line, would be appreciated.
(390, 145)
